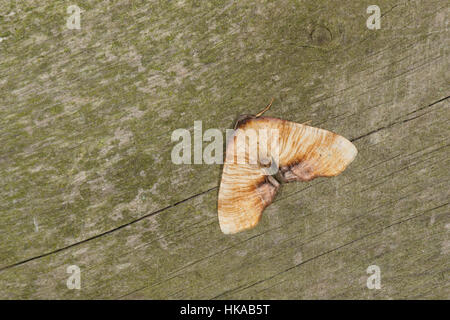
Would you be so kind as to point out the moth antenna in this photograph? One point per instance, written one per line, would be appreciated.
(265, 109)
(307, 122)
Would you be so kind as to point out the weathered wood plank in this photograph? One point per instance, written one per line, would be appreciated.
(86, 177)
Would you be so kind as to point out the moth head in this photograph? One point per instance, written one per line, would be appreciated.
(242, 119)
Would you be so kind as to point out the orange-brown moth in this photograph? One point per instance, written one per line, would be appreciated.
(302, 152)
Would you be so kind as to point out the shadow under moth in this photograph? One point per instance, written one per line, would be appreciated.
(265, 152)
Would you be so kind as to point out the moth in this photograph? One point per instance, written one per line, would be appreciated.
(285, 151)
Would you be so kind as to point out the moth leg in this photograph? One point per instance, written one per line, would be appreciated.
(279, 176)
(273, 181)
(268, 190)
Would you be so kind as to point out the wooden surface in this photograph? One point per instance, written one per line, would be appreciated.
(86, 177)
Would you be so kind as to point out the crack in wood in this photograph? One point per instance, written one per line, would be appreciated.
(398, 122)
(198, 194)
(106, 232)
